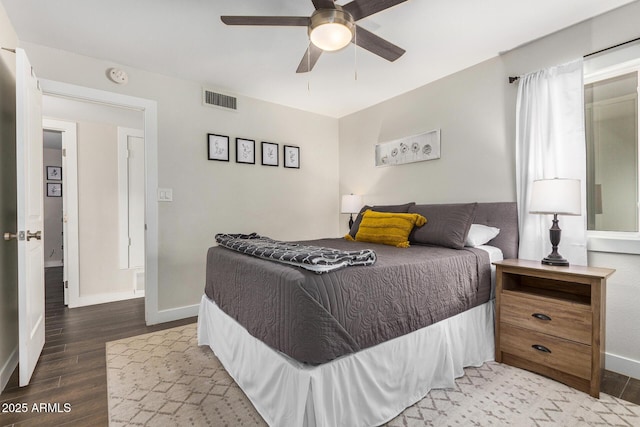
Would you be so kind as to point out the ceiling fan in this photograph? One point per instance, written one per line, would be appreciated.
(332, 27)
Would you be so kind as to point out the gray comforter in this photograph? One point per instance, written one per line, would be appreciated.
(317, 318)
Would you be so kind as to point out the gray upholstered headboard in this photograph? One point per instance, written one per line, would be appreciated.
(503, 215)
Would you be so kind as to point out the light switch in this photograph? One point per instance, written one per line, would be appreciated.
(165, 194)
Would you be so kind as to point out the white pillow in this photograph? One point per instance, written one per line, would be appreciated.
(480, 234)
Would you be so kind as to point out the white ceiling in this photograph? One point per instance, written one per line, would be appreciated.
(186, 39)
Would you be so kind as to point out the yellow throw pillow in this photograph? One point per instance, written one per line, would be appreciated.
(387, 228)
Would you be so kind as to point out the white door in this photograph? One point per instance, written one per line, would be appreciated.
(131, 198)
(30, 217)
(136, 202)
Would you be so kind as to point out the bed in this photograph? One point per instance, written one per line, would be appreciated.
(356, 346)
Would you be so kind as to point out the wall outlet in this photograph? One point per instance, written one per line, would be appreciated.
(165, 194)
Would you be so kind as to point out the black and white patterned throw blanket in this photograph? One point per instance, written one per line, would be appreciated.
(313, 258)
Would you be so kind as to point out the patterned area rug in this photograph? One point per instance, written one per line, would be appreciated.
(164, 378)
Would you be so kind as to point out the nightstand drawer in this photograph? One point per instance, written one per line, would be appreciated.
(559, 318)
(556, 353)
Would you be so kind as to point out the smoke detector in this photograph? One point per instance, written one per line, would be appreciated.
(118, 76)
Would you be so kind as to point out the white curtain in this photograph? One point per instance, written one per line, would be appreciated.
(550, 143)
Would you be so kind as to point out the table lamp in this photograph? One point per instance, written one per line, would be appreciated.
(351, 203)
(556, 196)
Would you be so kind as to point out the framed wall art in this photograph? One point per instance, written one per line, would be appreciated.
(269, 154)
(54, 173)
(416, 148)
(54, 189)
(291, 157)
(218, 147)
(245, 151)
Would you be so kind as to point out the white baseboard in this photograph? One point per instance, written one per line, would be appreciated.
(7, 369)
(104, 298)
(57, 263)
(169, 315)
(622, 365)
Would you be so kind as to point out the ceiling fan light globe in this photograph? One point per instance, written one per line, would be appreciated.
(331, 29)
(331, 36)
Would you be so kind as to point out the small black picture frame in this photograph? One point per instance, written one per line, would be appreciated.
(218, 147)
(270, 153)
(291, 156)
(54, 189)
(245, 151)
(54, 173)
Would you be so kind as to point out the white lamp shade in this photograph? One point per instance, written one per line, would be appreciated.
(351, 203)
(556, 196)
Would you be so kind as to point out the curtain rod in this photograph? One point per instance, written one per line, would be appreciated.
(513, 79)
(611, 47)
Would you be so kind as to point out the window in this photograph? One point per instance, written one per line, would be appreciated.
(611, 125)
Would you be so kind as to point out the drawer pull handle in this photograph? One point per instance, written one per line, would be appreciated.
(541, 348)
(541, 316)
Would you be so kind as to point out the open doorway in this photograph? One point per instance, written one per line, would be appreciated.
(53, 234)
(103, 197)
(149, 110)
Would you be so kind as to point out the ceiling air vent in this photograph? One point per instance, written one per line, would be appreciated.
(220, 100)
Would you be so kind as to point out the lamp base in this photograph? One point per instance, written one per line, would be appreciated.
(554, 258)
(558, 261)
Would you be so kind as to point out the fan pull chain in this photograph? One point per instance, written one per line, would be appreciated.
(355, 53)
(308, 67)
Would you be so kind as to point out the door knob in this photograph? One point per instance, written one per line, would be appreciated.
(37, 235)
(19, 236)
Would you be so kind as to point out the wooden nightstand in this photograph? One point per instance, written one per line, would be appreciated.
(551, 320)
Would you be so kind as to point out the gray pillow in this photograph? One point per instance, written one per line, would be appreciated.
(381, 208)
(447, 224)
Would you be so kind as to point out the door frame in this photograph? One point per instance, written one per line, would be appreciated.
(71, 251)
(149, 109)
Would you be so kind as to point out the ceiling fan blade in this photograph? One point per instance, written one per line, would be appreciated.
(323, 4)
(361, 9)
(375, 44)
(288, 21)
(309, 59)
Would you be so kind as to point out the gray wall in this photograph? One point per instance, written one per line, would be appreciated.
(8, 250)
(52, 212)
(476, 155)
(475, 110)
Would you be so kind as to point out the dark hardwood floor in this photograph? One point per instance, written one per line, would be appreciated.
(72, 367)
(622, 386)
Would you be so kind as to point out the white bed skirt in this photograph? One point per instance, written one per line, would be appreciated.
(366, 388)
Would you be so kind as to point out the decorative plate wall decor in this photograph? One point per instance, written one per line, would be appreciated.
(416, 148)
